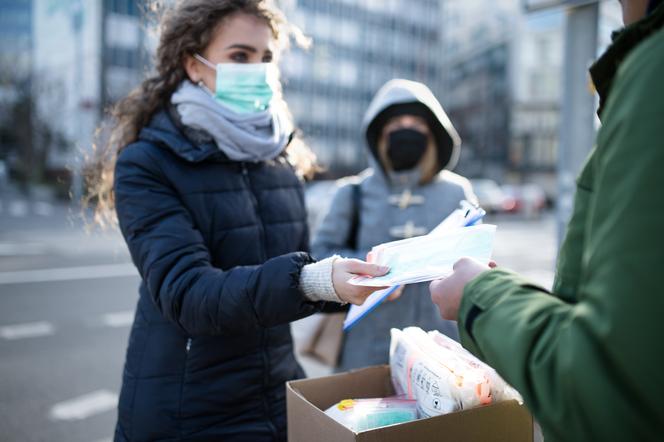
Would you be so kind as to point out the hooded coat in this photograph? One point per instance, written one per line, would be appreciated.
(387, 213)
(587, 357)
(219, 245)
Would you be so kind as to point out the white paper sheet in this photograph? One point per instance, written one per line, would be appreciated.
(418, 269)
(429, 257)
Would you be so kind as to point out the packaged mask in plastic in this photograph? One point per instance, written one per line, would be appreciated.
(498, 388)
(441, 375)
(367, 414)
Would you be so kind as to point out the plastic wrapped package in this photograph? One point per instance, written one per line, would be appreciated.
(441, 375)
(366, 414)
(499, 390)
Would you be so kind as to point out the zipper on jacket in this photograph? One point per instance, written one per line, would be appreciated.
(266, 383)
(254, 202)
(183, 376)
(264, 337)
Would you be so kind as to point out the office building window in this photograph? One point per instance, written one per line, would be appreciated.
(126, 7)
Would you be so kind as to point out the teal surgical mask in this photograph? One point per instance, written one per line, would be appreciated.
(244, 87)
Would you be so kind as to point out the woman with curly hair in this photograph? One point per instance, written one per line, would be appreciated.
(202, 171)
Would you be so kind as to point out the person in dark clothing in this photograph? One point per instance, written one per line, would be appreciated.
(202, 171)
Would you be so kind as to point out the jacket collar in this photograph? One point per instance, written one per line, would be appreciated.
(604, 70)
(166, 130)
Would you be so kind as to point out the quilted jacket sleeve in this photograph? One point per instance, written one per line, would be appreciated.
(174, 262)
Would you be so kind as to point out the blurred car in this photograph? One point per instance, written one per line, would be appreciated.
(492, 197)
(530, 199)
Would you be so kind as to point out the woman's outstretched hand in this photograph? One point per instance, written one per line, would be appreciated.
(343, 269)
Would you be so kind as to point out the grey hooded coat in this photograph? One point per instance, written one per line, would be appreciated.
(393, 206)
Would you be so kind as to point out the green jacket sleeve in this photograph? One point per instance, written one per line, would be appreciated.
(589, 366)
(568, 265)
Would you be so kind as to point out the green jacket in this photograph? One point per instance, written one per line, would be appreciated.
(588, 358)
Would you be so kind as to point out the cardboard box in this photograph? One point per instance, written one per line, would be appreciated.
(307, 422)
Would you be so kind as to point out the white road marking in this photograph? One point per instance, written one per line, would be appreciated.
(18, 209)
(118, 319)
(27, 330)
(11, 249)
(41, 208)
(68, 273)
(84, 406)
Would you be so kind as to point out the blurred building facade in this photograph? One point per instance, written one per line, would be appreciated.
(91, 53)
(86, 54)
(16, 34)
(358, 45)
(495, 69)
(503, 80)
(62, 62)
(15, 65)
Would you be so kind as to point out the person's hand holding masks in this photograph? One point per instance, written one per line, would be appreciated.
(447, 293)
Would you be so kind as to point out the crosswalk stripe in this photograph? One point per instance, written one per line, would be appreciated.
(84, 406)
(27, 330)
(16, 249)
(118, 319)
(68, 273)
(18, 209)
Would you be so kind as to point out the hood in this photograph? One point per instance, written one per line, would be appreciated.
(405, 92)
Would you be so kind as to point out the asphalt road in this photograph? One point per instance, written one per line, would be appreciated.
(66, 302)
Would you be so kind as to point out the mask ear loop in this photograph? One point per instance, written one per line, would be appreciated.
(205, 61)
(208, 64)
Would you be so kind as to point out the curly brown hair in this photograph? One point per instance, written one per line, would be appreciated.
(185, 29)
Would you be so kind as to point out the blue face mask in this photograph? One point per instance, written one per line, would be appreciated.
(244, 87)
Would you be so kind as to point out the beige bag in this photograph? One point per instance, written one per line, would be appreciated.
(326, 340)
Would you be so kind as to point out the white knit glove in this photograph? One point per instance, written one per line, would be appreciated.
(316, 281)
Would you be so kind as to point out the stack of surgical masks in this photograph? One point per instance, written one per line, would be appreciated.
(441, 375)
(432, 256)
(366, 414)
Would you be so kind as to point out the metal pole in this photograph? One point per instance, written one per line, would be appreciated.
(577, 130)
(77, 166)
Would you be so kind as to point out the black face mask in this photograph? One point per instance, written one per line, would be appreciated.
(405, 148)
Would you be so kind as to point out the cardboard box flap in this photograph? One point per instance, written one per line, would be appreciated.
(312, 424)
(362, 383)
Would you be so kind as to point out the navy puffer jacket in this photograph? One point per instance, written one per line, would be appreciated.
(218, 245)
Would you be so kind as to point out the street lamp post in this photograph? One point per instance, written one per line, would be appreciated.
(577, 129)
(76, 12)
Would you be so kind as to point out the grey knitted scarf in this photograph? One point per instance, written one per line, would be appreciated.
(242, 137)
